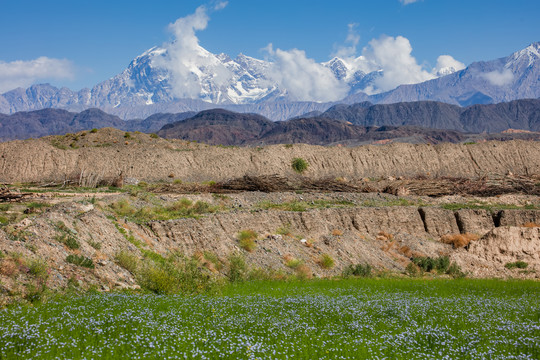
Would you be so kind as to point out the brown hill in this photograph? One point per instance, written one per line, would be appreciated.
(109, 152)
(219, 127)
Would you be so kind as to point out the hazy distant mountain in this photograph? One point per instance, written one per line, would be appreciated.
(351, 124)
(518, 114)
(510, 78)
(34, 124)
(222, 127)
(429, 114)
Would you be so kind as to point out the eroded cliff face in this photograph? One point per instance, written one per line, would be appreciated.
(107, 154)
(386, 237)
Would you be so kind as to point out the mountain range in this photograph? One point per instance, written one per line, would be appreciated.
(146, 87)
(421, 121)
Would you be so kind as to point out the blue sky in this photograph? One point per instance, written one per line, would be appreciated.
(95, 40)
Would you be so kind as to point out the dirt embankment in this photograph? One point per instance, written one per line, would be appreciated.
(108, 153)
(386, 237)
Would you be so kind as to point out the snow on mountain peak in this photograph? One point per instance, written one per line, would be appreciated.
(530, 54)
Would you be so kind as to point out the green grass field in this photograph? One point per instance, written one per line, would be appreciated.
(319, 319)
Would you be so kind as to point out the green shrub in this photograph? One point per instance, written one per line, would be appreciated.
(80, 260)
(326, 261)
(96, 245)
(154, 136)
(517, 264)
(428, 264)
(441, 264)
(122, 207)
(246, 239)
(299, 165)
(413, 270)
(358, 270)
(38, 268)
(213, 258)
(127, 260)
(294, 263)
(175, 274)
(69, 240)
(202, 207)
(93, 131)
(156, 278)
(284, 230)
(66, 236)
(36, 205)
(455, 271)
(237, 268)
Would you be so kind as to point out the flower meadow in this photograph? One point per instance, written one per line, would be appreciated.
(319, 319)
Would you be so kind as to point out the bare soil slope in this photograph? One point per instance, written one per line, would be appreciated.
(108, 153)
(384, 235)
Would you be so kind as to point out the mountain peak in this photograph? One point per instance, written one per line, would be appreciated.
(531, 54)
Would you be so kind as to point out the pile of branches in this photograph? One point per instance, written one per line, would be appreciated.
(8, 195)
(485, 186)
(276, 183)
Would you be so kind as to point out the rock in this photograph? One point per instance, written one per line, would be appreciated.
(518, 217)
(86, 207)
(509, 244)
(131, 181)
(439, 222)
(474, 221)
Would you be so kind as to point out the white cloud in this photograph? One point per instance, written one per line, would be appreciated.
(185, 59)
(220, 5)
(499, 78)
(446, 64)
(303, 78)
(407, 2)
(22, 73)
(394, 57)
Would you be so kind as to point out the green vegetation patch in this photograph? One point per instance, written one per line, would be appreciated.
(304, 205)
(440, 265)
(299, 165)
(246, 240)
(80, 260)
(517, 264)
(183, 208)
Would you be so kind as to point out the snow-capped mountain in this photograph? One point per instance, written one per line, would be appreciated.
(160, 80)
(356, 79)
(516, 76)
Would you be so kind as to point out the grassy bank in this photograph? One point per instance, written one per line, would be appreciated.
(326, 319)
